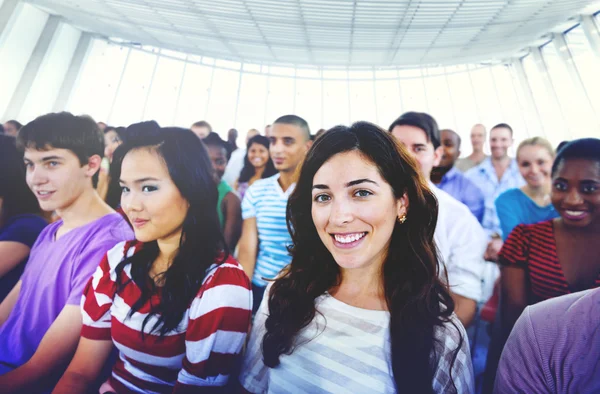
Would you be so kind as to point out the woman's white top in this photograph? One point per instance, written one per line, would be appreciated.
(347, 350)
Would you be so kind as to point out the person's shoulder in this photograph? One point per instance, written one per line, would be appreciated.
(28, 219)
(226, 272)
(114, 225)
(556, 321)
(122, 250)
(510, 195)
(478, 169)
(447, 203)
(29, 222)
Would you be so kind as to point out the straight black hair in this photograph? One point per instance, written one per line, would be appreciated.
(201, 244)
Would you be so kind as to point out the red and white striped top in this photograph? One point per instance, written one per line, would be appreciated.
(202, 351)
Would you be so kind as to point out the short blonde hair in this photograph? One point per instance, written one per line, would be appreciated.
(537, 141)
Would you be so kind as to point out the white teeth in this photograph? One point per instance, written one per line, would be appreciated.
(43, 193)
(575, 213)
(346, 239)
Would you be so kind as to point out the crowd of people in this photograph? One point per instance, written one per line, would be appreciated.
(149, 259)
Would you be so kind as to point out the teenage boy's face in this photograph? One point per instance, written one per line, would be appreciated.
(416, 142)
(57, 178)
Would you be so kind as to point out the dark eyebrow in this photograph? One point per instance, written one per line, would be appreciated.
(419, 145)
(50, 158)
(349, 184)
(359, 181)
(142, 180)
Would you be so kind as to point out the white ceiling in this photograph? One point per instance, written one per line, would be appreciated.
(328, 32)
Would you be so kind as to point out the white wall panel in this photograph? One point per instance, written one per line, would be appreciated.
(16, 47)
(51, 74)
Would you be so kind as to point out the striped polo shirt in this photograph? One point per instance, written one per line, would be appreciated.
(201, 352)
(267, 202)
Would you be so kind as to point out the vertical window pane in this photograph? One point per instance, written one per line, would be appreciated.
(572, 100)
(194, 94)
(362, 101)
(97, 85)
(550, 114)
(587, 63)
(335, 103)
(513, 109)
(223, 95)
(131, 97)
(463, 101)
(251, 109)
(162, 101)
(440, 105)
(280, 97)
(389, 104)
(485, 94)
(413, 95)
(308, 102)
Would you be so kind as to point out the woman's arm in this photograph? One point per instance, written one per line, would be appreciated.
(514, 296)
(232, 212)
(87, 364)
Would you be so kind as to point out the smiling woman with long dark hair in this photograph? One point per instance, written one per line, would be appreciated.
(360, 308)
(173, 302)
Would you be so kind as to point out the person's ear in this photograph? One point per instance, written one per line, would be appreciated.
(437, 155)
(402, 208)
(93, 165)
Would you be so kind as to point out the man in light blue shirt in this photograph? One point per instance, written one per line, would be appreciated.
(265, 237)
(494, 176)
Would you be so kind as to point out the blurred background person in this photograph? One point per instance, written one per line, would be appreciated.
(228, 204)
(448, 178)
(236, 161)
(20, 216)
(478, 134)
(257, 164)
(530, 203)
(12, 128)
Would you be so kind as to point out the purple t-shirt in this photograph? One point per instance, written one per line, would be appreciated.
(55, 276)
(554, 348)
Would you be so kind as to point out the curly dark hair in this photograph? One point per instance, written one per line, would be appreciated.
(417, 299)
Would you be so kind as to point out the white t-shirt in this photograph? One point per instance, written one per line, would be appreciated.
(234, 166)
(346, 350)
(461, 242)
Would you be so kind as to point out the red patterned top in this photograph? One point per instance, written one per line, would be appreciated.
(202, 351)
(533, 247)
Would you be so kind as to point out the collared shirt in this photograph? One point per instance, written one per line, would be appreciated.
(465, 191)
(267, 202)
(484, 176)
(461, 242)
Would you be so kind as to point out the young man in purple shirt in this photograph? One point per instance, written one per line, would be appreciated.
(40, 319)
(448, 178)
(554, 348)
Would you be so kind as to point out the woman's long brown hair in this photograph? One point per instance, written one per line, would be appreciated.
(418, 301)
